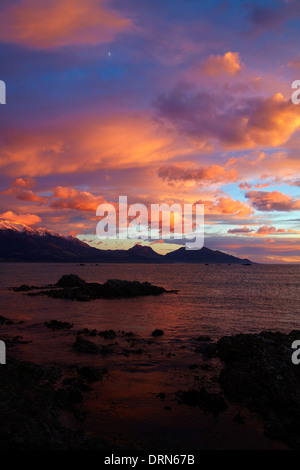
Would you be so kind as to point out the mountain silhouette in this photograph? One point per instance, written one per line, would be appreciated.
(22, 243)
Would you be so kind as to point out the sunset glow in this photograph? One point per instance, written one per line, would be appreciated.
(165, 102)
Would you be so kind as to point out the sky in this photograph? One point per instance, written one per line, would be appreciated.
(163, 101)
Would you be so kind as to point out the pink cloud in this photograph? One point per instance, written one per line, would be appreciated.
(54, 23)
(26, 219)
(272, 201)
(209, 175)
(229, 64)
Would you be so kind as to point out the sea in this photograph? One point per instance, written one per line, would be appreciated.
(128, 407)
(213, 300)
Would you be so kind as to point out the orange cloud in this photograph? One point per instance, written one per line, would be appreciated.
(210, 174)
(83, 145)
(242, 230)
(262, 231)
(24, 183)
(24, 194)
(229, 63)
(26, 219)
(69, 198)
(225, 205)
(54, 23)
(236, 124)
(272, 201)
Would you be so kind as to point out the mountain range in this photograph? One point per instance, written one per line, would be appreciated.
(22, 243)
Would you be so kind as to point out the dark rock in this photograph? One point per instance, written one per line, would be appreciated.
(207, 349)
(70, 280)
(204, 338)
(161, 395)
(72, 287)
(108, 334)
(239, 419)
(157, 332)
(90, 374)
(5, 321)
(211, 402)
(58, 325)
(22, 288)
(260, 375)
(85, 346)
(206, 367)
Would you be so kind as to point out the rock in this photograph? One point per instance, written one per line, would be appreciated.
(107, 334)
(204, 338)
(70, 280)
(72, 287)
(161, 395)
(118, 288)
(22, 288)
(157, 332)
(260, 375)
(90, 374)
(206, 367)
(207, 349)
(5, 321)
(85, 346)
(211, 402)
(58, 325)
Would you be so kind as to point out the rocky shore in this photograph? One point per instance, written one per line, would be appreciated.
(260, 375)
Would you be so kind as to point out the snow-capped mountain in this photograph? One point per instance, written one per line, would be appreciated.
(18, 242)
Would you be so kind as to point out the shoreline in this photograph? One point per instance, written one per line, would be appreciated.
(152, 394)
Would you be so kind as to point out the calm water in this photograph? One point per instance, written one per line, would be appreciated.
(124, 408)
(215, 300)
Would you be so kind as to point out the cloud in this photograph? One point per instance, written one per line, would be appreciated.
(261, 231)
(243, 230)
(209, 175)
(225, 205)
(233, 122)
(272, 201)
(266, 230)
(295, 63)
(245, 186)
(27, 183)
(55, 23)
(263, 18)
(24, 219)
(87, 144)
(229, 64)
(69, 198)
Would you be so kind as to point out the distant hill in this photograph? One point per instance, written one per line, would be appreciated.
(22, 243)
(204, 255)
